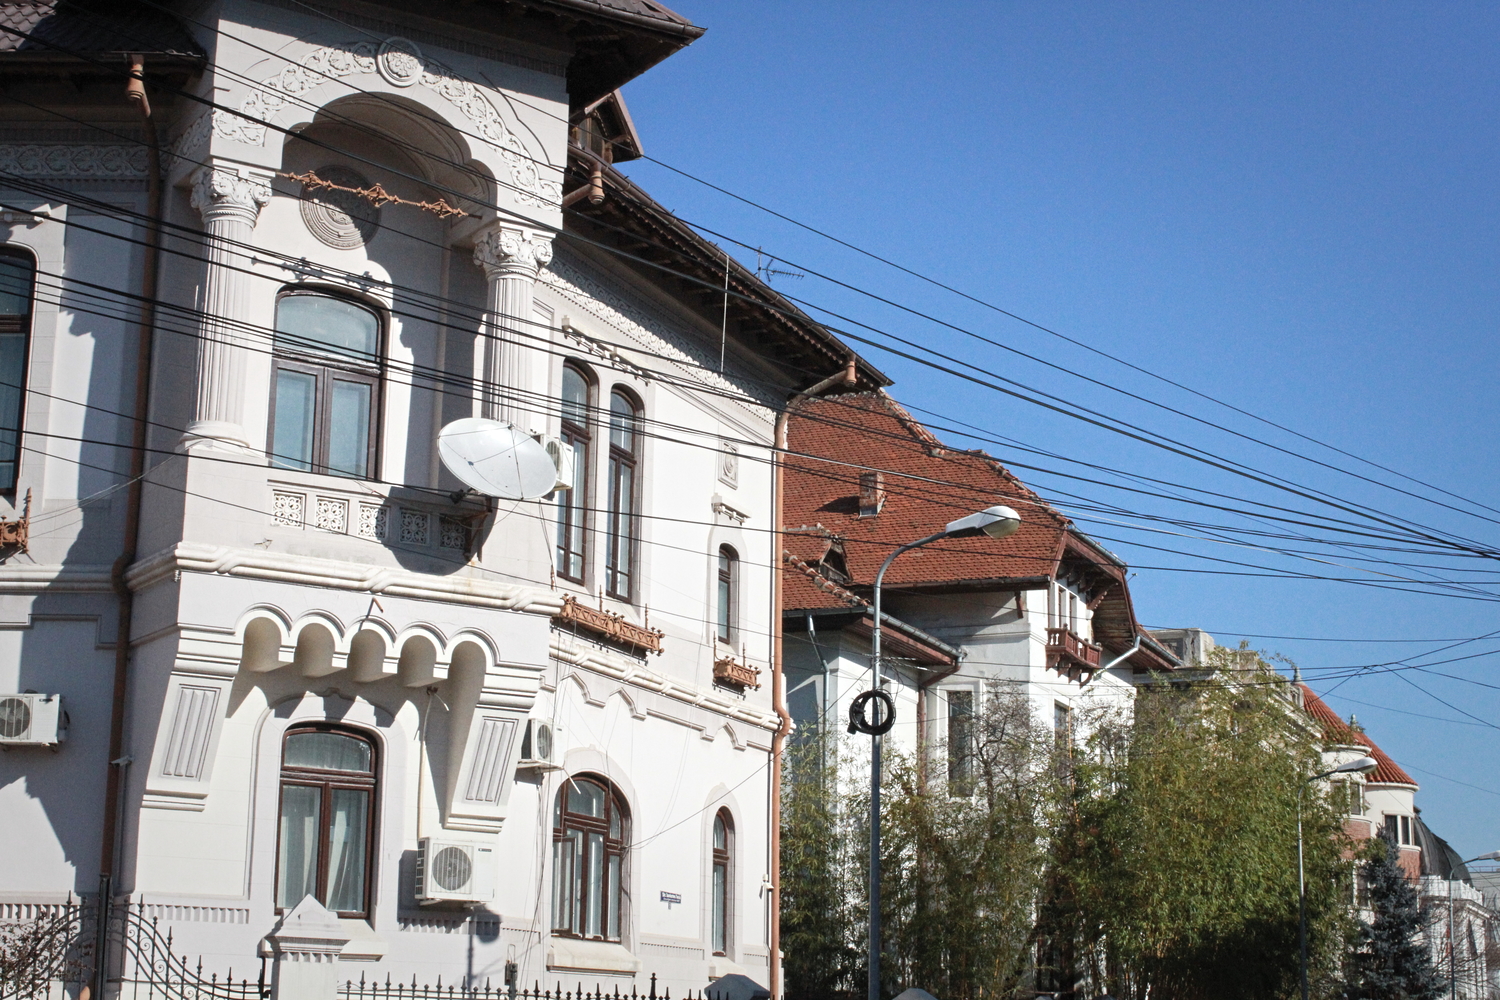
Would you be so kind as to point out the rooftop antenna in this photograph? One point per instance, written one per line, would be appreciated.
(764, 271)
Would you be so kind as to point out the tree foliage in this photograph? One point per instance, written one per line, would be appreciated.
(1152, 856)
(963, 874)
(1183, 866)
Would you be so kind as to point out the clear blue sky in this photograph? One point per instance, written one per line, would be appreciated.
(1288, 207)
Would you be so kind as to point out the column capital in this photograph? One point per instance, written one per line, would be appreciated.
(512, 251)
(227, 194)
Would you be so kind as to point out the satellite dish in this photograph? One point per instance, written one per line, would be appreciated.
(496, 459)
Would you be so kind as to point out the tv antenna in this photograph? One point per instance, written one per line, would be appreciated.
(764, 271)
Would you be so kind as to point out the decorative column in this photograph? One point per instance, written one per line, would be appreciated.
(230, 203)
(307, 944)
(511, 257)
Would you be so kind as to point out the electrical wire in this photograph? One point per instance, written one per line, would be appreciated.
(1116, 430)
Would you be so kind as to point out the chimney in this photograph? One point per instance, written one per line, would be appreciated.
(871, 493)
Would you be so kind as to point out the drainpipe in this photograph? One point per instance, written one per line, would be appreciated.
(1123, 656)
(848, 377)
(135, 92)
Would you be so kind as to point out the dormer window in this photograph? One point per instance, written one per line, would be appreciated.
(834, 565)
(589, 135)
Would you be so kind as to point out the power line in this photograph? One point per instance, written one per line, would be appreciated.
(1148, 438)
(447, 376)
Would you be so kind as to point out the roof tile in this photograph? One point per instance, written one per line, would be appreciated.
(63, 28)
(833, 439)
(1337, 730)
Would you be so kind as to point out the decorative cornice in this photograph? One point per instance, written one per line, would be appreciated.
(222, 194)
(634, 672)
(70, 161)
(401, 64)
(512, 251)
(35, 578)
(218, 560)
(640, 322)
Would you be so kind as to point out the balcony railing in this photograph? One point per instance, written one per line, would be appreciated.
(728, 670)
(609, 626)
(1071, 654)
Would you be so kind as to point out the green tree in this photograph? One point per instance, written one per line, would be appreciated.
(818, 918)
(1390, 961)
(1178, 866)
(966, 840)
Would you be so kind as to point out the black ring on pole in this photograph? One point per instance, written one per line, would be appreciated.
(860, 723)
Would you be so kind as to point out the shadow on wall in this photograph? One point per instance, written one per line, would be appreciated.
(51, 801)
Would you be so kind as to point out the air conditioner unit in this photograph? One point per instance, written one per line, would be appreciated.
(561, 453)
(451, 870)
(30, 719)
(539, 746)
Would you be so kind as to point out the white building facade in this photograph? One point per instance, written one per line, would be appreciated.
(499, 740)
(1045, 613)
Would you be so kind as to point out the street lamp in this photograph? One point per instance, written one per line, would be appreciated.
(993, 522)
(1361, 765)
(1452, 943)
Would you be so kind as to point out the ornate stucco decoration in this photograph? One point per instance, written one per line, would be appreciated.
(513, 250)
(639, 322)
(70, 161)
(340, 219)
(221, 193)
(401, 64)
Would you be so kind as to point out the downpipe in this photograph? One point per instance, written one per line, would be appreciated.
(112, 828)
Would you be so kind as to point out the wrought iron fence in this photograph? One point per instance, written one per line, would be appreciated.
(397, 990)
(48, 954)
(46, 947)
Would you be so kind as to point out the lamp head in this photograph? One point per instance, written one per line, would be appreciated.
(1492, 856)
(996, 522)
(1362, 765)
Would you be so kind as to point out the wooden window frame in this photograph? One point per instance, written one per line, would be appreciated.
(626, 554)
(568, 505)
(723, 858)
(327, 370)
(727, 592)
(328, 781)
(961, 725)
(566, 822)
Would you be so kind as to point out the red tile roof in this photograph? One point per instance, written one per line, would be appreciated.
(832, 440)
(1336, 730)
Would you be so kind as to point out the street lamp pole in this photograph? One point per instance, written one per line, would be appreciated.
(1362, 765)
(995, 522)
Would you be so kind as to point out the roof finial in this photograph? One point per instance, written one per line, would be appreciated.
(1296, 673)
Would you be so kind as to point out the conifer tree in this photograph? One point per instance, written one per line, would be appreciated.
(1390, 961)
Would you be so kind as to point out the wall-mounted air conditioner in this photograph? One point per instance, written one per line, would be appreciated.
(32, 720)
(449, 870)
(561, 453)
(539, 746)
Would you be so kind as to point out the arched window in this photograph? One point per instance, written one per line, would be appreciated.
(728, 593)
(624, 469)
(325, 840)
(16, 283)
(326, 397)
(572, 505)
(723, 883)
(590, 834)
